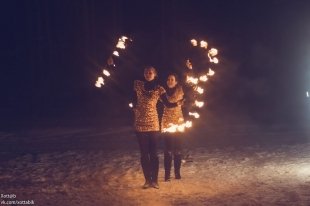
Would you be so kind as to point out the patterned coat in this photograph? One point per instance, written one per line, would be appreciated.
(146, 116)
(173, 115)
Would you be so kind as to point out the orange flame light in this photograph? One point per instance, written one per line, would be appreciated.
(203, 44)
(199, 90)
(194, 42)
(106, 72)
(115, 53)
(203, 78)
(195, 114)
(192, 80)
(199, 104)
(213, 52)
(189, 64)
(178, 127)
(211, 72)
(99, 82)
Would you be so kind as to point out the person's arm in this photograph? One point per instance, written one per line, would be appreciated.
(166, 102)
(133, 96)
(134, 99)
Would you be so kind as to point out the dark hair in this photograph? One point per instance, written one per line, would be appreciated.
(151, 68)
(175, 76)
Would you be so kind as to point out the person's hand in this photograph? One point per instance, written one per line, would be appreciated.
(181, 102)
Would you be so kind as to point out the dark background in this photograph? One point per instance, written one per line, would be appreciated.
(52, 53)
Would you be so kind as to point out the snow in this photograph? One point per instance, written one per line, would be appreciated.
(93, 166)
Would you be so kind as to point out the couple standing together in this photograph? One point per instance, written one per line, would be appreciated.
(146, 95)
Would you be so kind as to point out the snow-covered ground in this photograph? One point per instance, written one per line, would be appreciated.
(235, 165)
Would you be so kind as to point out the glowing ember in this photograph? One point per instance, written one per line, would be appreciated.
(203, 78)
(99, 82)
(199, 104)
(189, 64)
(192, 80)
(130, 105)
(203, 44)
(178, 127)
(199, 90)
(194, 42)
(106, 72)
(213, 52)
(195, 114)
(211, 72)
(116, 53)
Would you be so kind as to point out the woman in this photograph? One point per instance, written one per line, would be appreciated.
(172, 141)
(147, 93)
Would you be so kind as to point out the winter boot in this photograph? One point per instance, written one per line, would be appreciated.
(145, 163)
(167, 165)
(154, 173)
(177, 166)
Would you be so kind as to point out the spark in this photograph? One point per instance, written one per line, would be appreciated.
(120, 45)
(130, 105)
(199, 104)
(203, 78)
(106, 72)
(121, 42)
(194, 42)
(195, 114)
(203, 44)
(215, 60)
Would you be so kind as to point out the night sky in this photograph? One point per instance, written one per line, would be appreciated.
(53, 51)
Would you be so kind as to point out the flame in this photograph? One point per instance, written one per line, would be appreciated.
(211, 72)
(194, 42)
(203, 44)
(106, 72)
(215, 60)
(99, 82)
(189, 64)
(213, 52)
(123, 38)
(203, 78)
(98, 85)
(199, 104)
(116, 53)
(121, 42)
(178, 127)
(199, 90)
(192, 80)
(130, 105)
(195, 114)
(120, 45)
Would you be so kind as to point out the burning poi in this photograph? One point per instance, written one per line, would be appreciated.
(120, 45)
(196, 83)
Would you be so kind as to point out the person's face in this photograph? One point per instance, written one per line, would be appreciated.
(149, 74)
(171, 81)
